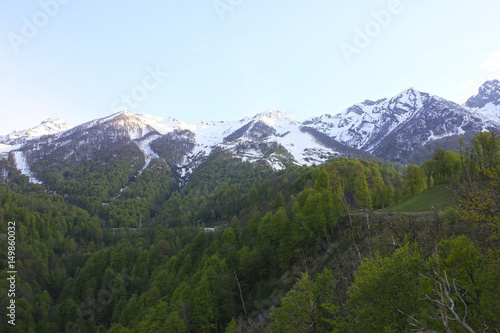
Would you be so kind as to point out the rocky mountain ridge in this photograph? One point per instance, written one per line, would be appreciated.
(405, 128)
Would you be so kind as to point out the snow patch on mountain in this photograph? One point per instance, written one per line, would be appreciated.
(23, 166)
(491, 111)
(487, 101)
(168, 124)
(304, 148)
(210, 134)
(144, 146)
(256, 139)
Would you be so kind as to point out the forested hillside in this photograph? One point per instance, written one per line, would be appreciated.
(110, 246)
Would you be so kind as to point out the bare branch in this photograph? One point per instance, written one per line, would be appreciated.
(415, 323)
(446, 304)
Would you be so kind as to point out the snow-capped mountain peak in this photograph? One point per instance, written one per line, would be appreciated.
(398, 127)
(132, 125)
(405, 128)
(490, 89)
(410, 95)
(407, 101)
(49, 126)
(274, 118)
(487, 101)
(363, 124)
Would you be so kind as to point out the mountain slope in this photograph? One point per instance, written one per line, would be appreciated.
(402, 128)
(47, 127)
(271, 139)
(405, 128)
(487, 100)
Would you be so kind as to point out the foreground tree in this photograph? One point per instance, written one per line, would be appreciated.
(461, 290)
(478, 195)
(383, 289)
(306, 307)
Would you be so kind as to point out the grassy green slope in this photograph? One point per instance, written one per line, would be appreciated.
(439, 196)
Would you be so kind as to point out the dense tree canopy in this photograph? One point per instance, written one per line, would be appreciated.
(242, 248)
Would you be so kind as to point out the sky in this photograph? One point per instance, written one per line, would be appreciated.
(229, 59)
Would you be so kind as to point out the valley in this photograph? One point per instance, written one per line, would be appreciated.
(132, 223)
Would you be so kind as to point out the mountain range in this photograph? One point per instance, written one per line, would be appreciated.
(404, 129)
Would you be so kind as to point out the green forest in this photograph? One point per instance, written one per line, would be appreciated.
(350, 245)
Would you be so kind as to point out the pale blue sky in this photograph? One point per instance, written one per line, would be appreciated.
(83, 56)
